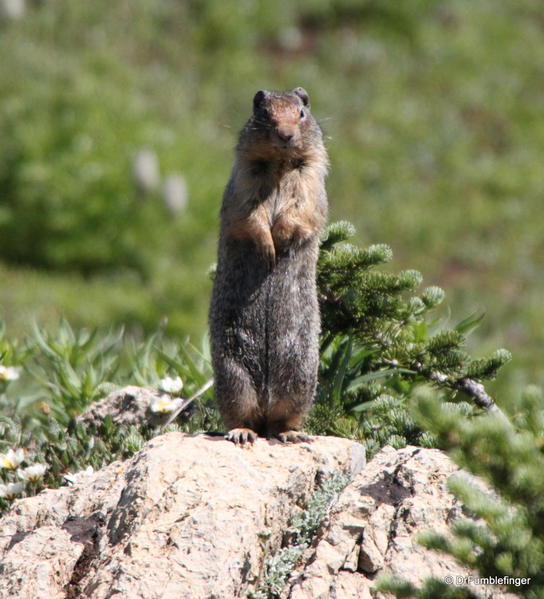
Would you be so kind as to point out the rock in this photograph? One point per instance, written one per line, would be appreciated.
(188, 516)
(193, 516)
(374, 526)
(130, 405)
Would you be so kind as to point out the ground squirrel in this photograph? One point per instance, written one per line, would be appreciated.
(264, 314)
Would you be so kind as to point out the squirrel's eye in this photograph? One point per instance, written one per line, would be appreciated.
(302, 114)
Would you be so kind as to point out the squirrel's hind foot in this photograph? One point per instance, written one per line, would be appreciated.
(241, 436)
(292, 437)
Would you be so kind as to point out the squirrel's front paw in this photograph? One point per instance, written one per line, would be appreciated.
(268, 253)
(287, 233)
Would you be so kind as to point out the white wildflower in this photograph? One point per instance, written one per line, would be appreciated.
(32, 473)
(11, 490)
(170, 385)
(11, 459)
(164, 405)
(146, 170)
(174, 193)
(9, 373)
(72, 479)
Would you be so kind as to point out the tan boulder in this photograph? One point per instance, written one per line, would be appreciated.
(374, 526)
(194, 516)
(188, 516)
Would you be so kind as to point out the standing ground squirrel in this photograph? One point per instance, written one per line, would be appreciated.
(264, 314)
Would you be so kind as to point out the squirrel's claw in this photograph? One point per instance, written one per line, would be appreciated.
(241, 436)
(293, 437)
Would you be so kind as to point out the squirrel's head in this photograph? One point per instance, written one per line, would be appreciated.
(285, 117)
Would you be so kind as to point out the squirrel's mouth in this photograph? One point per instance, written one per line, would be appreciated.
(286, 144)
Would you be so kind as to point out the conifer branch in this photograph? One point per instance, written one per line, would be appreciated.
(468, 386)
(481, 397)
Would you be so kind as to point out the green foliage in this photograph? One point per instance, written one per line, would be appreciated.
(68, 202)
(76, 367)
(67, 450)
(53, 377)
(381, 348)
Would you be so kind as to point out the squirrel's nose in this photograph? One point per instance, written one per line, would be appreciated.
(285, 135)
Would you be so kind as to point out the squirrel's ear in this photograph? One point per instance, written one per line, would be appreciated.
(258, 98)
(303, 95)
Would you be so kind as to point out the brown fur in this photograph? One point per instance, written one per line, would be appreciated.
(264, 319)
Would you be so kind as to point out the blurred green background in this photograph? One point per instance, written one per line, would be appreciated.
(118, 119)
